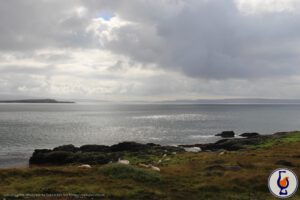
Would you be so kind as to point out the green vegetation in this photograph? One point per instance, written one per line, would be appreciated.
(226, 175)
(283, 138)
(119, 171)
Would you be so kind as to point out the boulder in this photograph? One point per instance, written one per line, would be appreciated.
(226, 134)
(249, 135)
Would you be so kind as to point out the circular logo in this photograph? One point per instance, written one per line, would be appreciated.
(283, 183)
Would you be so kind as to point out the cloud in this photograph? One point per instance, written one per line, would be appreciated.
(142, 49)
(210, 39)
(27, 25)
(267, 6)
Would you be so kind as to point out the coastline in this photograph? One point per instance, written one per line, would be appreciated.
(150, 171)
(232, 143)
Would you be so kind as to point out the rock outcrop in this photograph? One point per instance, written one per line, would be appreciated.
(248, 135)
(226, 134)
(97, 154)
(233, 144)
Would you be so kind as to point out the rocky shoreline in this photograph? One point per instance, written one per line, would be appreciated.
(232, 144)
(99, 154)
(102, 154)
(232, 168)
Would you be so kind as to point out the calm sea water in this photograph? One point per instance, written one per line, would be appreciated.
(25, 127)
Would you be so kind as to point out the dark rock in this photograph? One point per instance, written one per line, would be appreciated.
(94, 148)
(98, 154)
(93, 158)
(229, 145)
(221, 141)
(38, 156)
(38, 151)
(153, 145)
(58, 157)
(226, 134)
(284, 163)
(128, 146)
(234, 144)
(68, 147)
(52, 157)
(249, 135)
(67, 157)
(191, 145)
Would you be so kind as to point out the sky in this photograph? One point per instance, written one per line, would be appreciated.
(150, 50)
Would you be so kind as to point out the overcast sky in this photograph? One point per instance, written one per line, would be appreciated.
(150, 49)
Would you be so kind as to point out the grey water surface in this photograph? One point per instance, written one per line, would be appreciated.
(25, 127)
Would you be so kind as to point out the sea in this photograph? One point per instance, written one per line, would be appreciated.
(25, 127)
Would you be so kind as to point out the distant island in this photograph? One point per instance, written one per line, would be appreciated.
(35, 101)
(233, 101)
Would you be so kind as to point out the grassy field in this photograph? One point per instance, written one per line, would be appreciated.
(218, 175)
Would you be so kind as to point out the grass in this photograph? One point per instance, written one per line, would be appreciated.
(283, 139)
(120, 171)
(235, 175)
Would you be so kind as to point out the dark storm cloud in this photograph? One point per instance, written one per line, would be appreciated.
(209, 39)
(203, 39)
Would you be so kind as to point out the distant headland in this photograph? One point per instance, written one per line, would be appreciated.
(35, 101)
